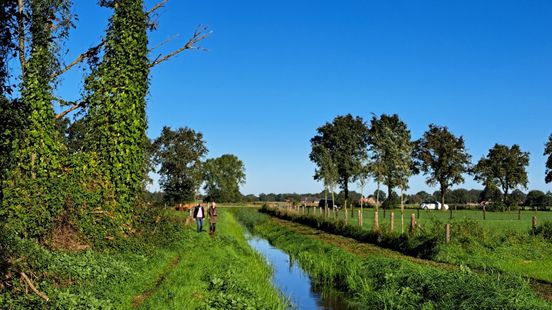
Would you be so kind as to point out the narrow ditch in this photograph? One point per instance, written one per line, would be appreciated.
(294, 283)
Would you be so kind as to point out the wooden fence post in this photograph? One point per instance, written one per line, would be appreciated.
(519, 214)
(484, 213)
(346, 217)
(392, 221)
(450, 217)
(359, 218)
(534, 224)
(447, 233)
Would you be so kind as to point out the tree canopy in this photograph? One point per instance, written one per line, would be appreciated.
(442, 157)
(503, 167)
(179, 153)
(223, 176)
(391, 151)
(345, 142)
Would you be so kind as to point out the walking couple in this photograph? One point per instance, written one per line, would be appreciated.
(199, 215)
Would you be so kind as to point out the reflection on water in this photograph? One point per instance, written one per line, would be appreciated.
(295, 283)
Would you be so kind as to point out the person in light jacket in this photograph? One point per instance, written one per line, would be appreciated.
(212, 212)
(199, 214)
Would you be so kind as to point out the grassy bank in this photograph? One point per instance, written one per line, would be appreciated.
(484, 247)
(172, 267)
(380, 282)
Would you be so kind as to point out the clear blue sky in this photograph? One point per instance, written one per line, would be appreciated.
(277, 70)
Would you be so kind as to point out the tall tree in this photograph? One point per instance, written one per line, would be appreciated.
(504, 167)
(326, 171)
(117, 102)
(223, 176)
(442, 158)
(346, 140)
(390, 151)
(548, 151)
(178, 153)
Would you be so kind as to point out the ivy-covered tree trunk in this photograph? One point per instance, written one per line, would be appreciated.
(30, 202)
(117, 115)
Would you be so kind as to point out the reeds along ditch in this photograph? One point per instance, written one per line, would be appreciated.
(378, 282)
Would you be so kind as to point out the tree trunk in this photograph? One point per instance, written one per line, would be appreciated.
(377, 197)
(346, 190)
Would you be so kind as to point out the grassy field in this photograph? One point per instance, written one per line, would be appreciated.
(176, 268)
(500, 221)
(389, 281)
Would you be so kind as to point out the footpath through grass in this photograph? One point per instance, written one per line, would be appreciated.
(387, 282)
(172, 268)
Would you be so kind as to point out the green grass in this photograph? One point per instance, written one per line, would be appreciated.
(500, 221)
(222, 272)
(498, 243)
(387, 283)
(173, 268)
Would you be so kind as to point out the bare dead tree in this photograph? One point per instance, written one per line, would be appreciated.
(200, 34)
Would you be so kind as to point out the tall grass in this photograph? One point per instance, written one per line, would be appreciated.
(377, 282)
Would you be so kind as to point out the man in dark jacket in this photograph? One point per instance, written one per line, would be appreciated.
(199, 214)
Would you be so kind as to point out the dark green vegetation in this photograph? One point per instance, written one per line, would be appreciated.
(377, 281)
(443, 158)
(178, 153)
(223, 176)
(504, 168)
(173, 268)
(341, 143)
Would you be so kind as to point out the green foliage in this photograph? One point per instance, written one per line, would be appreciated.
(178, 154)
(223, 176)
(442, 157)
(503, 167)
(377, 281)
(390, 151)
(116, 116)
(339, 148)
(545, 230)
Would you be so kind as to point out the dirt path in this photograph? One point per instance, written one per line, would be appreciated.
(350, 245)
(138, 300)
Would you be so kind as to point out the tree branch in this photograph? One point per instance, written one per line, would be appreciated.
(198, 36)
(157, 6)
(33, 288)
(69, 110)
(89, 53)
(21, 35)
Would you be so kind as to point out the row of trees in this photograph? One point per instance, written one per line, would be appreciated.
(349, 150)
(179, 157)
(85, 172)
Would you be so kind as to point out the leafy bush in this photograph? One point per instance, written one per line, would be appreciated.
(545, 230)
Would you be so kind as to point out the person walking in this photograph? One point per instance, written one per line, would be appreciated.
(199, 214)
(212, 212)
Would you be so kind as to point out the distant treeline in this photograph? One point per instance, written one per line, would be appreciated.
(461, 196)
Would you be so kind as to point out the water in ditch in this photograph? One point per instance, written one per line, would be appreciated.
(294, 282)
